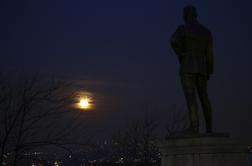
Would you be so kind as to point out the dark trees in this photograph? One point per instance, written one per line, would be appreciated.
(31, 114)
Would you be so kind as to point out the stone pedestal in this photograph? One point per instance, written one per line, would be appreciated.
(203, 151)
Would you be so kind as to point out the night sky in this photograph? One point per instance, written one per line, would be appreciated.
(119, 52)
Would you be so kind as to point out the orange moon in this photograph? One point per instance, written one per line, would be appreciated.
(84, 103)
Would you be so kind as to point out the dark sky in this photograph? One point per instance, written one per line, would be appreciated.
(119, 51)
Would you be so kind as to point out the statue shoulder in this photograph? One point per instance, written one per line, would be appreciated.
(205, 29)
(179, 33)
(181, 28)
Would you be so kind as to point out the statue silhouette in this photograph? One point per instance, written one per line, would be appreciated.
(193, 45)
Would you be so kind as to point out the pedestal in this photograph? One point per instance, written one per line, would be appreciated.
(203, 151)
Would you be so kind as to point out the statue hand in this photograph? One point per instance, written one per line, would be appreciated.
(208, 77)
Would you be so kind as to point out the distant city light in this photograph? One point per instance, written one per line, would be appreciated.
(56, 163)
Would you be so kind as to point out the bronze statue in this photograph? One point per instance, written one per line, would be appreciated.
(193, 45)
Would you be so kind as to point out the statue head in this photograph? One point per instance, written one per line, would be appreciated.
(190, 14)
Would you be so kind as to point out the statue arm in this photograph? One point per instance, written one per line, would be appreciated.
(178, 41)
(209, 53)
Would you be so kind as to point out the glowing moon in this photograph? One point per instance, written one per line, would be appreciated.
(84, 103)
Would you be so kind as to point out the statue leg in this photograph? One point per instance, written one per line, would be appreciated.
(206, 105)
(189, 87)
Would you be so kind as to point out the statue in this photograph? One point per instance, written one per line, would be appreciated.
(193, 45)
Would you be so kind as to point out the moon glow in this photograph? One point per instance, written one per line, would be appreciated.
(84, 103)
